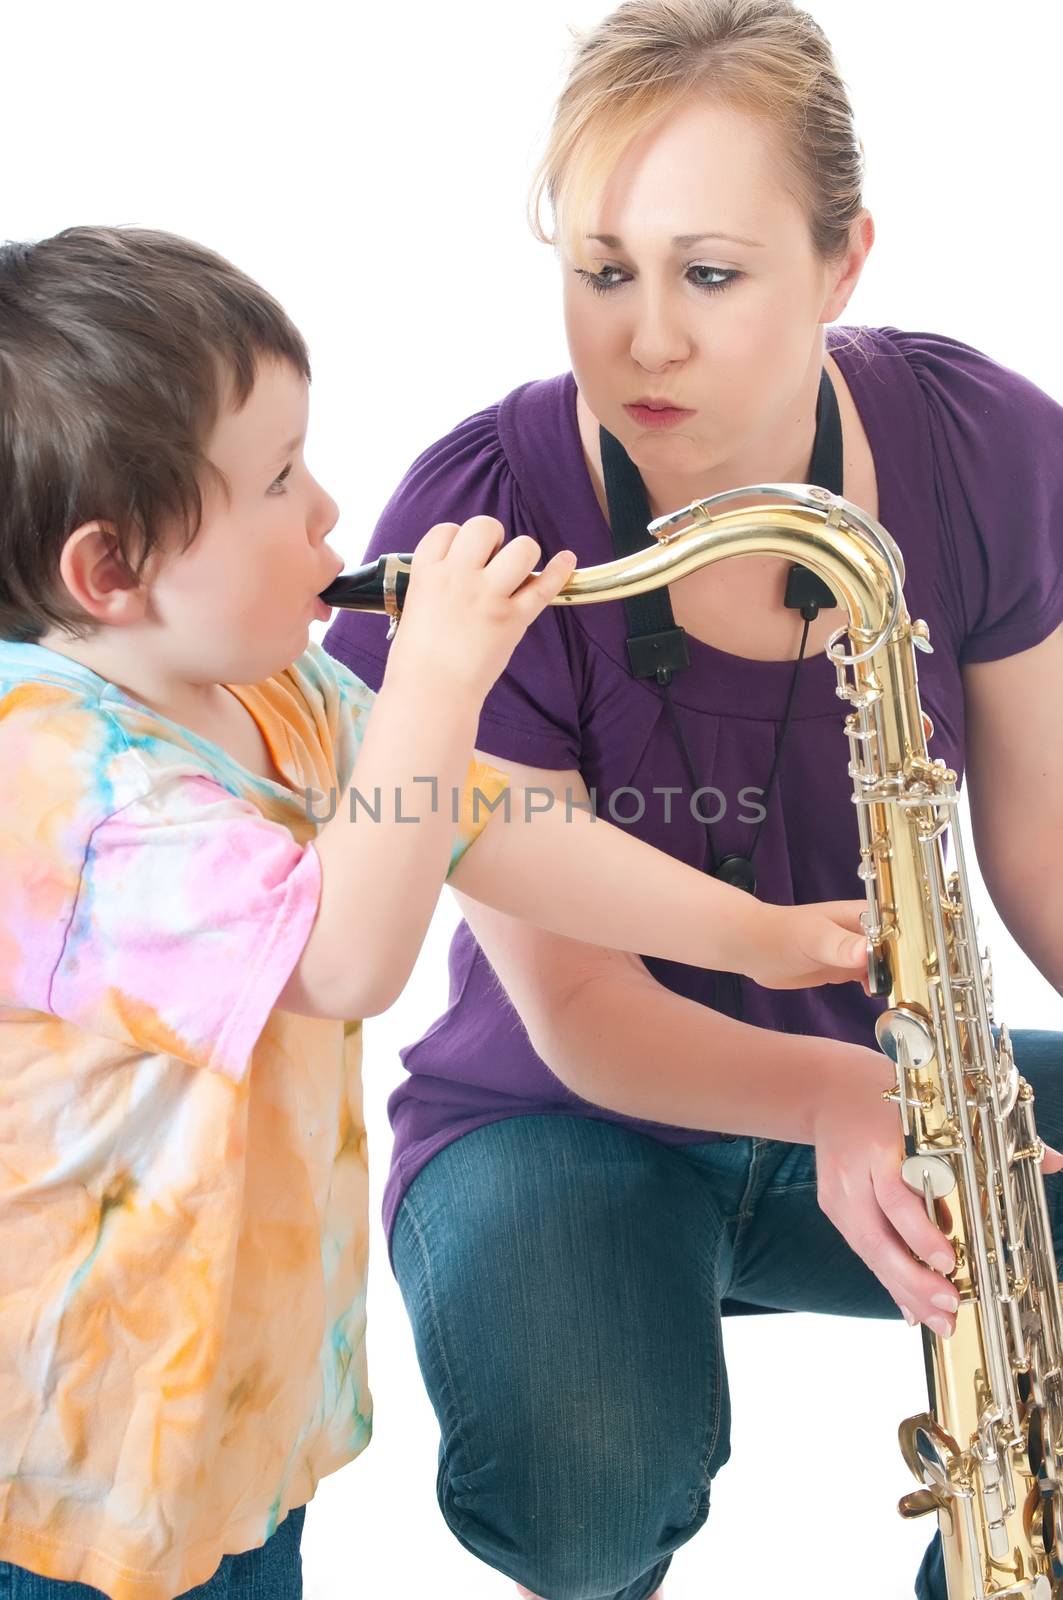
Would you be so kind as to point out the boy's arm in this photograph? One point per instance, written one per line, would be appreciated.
(464, 611)
(380, 880)
(471, 598)
(581, 877)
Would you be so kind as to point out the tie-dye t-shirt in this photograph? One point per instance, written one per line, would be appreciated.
(183, 1187)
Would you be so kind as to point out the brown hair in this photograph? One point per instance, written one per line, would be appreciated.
(119, 348)
(763, 57)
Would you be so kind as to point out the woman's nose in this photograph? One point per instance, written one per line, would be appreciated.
(659, 337)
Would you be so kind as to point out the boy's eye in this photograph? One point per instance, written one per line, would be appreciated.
(279, 479)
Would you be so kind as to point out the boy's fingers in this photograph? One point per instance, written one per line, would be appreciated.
(436, 542)
(541, 589)
(477, 540)
(1051, 1161)
(847, 912)
(509, 568)
(854, 953)
(834, 946)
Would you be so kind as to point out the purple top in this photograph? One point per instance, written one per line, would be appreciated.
(969, 460)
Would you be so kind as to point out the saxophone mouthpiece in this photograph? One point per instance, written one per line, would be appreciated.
(378, 586)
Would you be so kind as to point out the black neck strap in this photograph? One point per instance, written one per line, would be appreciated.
(657, 647)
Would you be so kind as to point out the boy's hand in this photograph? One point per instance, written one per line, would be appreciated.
(798, 947)
(469, 602)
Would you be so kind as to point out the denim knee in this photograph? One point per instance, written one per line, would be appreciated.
(582, 1404)
(606, 1534)
(580, 1483)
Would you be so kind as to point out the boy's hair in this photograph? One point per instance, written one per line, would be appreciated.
(119, 349)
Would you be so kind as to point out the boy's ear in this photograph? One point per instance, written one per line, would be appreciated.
(97, 578)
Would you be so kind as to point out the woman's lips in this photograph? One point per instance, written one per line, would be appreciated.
(658, 416)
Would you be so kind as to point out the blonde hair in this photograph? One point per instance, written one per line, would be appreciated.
(762, 57)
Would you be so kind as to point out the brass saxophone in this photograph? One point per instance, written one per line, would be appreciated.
(987, 1450)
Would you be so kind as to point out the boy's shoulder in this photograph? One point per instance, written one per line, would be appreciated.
(76, 747)
(50, 700)
(68, 766)
(60, 736)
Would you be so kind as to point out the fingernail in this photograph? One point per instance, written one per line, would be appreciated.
(940, 1326)
(907, 1315)
(942, 1263)
(945, 1302)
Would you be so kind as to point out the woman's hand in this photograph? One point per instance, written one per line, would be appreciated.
(468, 604)
(798, 947)
(859, 1150)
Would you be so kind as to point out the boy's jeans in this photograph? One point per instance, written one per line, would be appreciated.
(564, 1277)
(272, 1572)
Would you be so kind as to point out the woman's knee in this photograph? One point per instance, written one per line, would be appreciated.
(570, 1343)
(588, 1519)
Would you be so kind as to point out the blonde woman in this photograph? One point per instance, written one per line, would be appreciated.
(598, 1154)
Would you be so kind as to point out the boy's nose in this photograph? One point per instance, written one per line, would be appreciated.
(326, 515)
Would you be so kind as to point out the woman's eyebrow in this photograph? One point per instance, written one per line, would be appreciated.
(682, 241)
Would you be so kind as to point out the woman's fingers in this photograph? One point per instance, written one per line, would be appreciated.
(907, 1214)
(927, 1294)
(924, 1289)
(1051, 1161)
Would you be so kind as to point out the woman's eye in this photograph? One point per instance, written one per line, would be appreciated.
(604, 280)
(279, 480)
(710, 279)
(704, 277)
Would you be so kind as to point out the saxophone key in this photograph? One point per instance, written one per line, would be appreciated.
(904, 1036)
(919, 1503)
(931, 1176)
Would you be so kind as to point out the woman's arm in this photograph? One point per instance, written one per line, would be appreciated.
(1015, 774)
(617, 1038)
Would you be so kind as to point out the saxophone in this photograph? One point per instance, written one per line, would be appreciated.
(987, 1451)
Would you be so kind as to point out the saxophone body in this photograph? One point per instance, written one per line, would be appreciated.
(987, 1450)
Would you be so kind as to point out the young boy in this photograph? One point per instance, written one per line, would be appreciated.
(185, 942)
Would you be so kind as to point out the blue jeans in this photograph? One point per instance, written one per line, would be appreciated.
(564, 1278)
(272, 1572)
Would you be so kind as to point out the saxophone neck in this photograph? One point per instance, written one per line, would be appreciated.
(850, 551)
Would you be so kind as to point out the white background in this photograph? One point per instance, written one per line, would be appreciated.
(369, 166)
